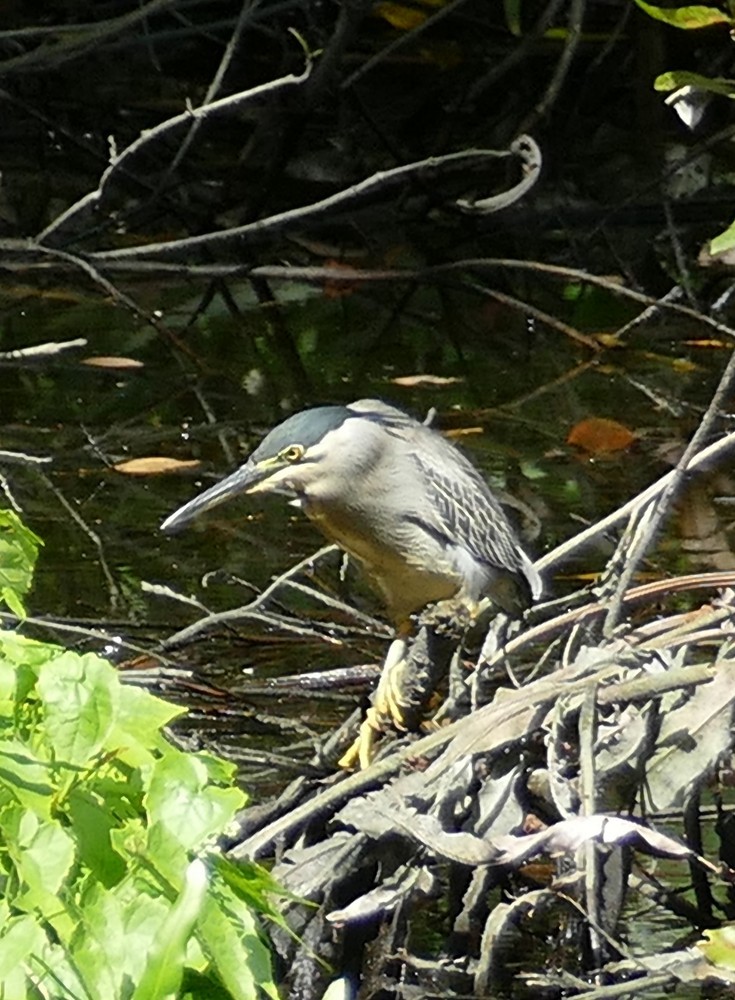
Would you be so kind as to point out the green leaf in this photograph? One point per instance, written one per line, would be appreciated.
(45, 853)
(23, 652)
(118, 931)
(253, 885)
(181, 798)
(719, 947)
(136, 731)
(725, 241)
(80, 695)
(677, 78)
(231, 938)
(166, 959)
(512, 10)
(20, 937)
(24, 779)
(18, 551)
(696, 16)
(92, 820)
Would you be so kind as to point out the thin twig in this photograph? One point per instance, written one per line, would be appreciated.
(379, 183)
(225, 104)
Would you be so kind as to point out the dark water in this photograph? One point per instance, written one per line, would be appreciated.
(517, 392)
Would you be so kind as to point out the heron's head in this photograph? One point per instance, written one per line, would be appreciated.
(288, 457)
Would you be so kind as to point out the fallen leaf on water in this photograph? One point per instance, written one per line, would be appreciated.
(598, 435)
(718, 344)
(154, 465)
(416, 381)
(459, 432)
(111, 362)
(336, 288)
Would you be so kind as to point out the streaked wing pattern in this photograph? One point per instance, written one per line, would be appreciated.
(470, 514)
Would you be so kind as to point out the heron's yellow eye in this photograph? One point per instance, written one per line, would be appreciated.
(293, 453)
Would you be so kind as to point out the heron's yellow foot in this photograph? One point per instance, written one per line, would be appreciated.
(388, 706)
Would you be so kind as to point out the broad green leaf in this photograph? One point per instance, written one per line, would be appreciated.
(166, 959)
(725, 241)
(99, 947)
(92, 819)
(24, 779)
(46, 852)
(165, 852)
(24, 652)
(677, 78)
(54, 972)
(136, 731)
(43, 853)
(230, 936)
(20, 937)
(696, 16)
(18, 550)
(119, 929)
(719, 947)
(80, 695)
(219, 770)
(180, 797)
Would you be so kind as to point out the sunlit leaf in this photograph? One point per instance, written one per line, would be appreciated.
(181, 798)
(24, 779)
(18, 551)
(460, 432)
(20, 937)
(80, 695)
(708, 343)
(696, 16)
(720, 946)
(598, 435)
(111, 362)
(43, 853)
(725, 241)
(154, 465)
(675, 79)
(433, 381)
(231, 938)
(167, 956)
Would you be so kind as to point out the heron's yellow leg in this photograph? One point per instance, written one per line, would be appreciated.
(387, 707)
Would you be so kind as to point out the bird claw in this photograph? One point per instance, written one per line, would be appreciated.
(362, 751)
(389, 708)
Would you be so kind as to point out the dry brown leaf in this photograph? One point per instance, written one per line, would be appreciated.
(598, 435)
(154, 465)
(334, 288)
(704, 342)
(111, 362)
(416, 381)
(459, 432)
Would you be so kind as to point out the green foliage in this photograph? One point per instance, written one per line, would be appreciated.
(719, 946)
(725, 241)
(692, 18)
(111, 885)
(688, 18)
(18, 551)
(677, 78)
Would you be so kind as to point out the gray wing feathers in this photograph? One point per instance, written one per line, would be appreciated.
(468, 512)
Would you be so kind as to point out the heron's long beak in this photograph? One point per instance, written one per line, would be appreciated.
(243, 480)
